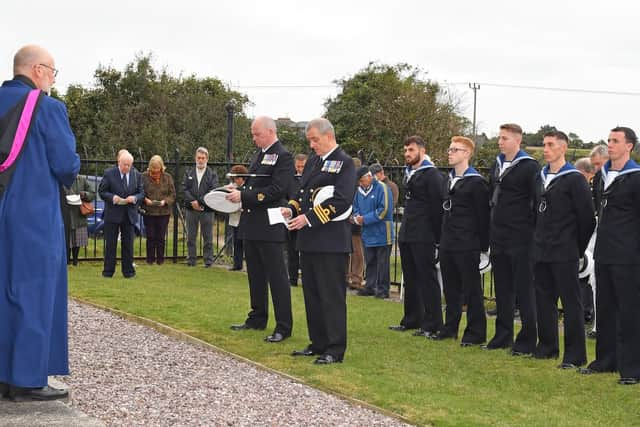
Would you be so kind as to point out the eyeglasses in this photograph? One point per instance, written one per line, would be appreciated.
(54, 70)
(455, 150)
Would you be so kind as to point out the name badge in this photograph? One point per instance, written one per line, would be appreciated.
(269, 159)
(332, 166)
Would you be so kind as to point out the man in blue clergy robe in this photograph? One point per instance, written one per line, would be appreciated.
(33, 271)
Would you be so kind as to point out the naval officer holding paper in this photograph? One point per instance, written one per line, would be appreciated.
(270, 172)
(324, 241)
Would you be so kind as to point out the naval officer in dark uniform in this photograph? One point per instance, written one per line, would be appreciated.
(564, 223)
(324, 242)
(465, 233)
(418, 239)
(512, 184)
(617, 262)
(264, 243)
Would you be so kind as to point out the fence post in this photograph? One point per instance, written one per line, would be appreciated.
(175, 207)
(230, 107)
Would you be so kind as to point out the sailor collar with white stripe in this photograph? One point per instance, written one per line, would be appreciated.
(409, 171)
(520, 155)
(548, 177)
(453, 179)
(629, 167)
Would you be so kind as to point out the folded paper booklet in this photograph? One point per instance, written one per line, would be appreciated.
(275, 216)
(122, 202)
(156, 202)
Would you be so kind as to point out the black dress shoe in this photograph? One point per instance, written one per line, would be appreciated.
(469, 344)
(591, 371)
(628, 381)
(305, 352)
(422, 333)
(243, 326)
(107, 275)
(382, 296)
(545, 356)
(25, 394)
(592, 335)
(129, 276)
(207, 266)
(517, 353)
(295, 285)
(326, 359)
(235, 268)
(439, 336)
(275, 337)
(493, 346)
(398, 328)
(567, 365)
(366, 292)
(4, 390)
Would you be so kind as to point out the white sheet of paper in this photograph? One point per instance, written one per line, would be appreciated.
(275, 216)
(234, 219)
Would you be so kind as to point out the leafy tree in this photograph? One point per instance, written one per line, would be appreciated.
(381, 105)
(151, 112)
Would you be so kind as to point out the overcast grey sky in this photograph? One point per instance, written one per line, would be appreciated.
(245, 43)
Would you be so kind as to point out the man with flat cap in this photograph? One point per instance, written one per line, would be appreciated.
(263, 242)
(373, 210)
(37, 157)
(324, 241)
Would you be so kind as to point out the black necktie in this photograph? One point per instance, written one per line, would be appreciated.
(124, 181)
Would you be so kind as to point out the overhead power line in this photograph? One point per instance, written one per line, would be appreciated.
(500, 85)
(552, 89)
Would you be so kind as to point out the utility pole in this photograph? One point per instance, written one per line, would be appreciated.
(475, 87)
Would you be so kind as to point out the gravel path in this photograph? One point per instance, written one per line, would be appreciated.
(127, 374)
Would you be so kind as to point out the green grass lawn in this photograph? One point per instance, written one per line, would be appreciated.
(425, 381)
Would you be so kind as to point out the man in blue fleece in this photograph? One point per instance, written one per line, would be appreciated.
(373, 210)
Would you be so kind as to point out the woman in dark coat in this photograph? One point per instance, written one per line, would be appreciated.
(77, 230)
(160, 194)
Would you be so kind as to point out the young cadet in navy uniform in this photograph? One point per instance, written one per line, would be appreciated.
(564, 223)
(617, 263)
(293, 256)
(512, 216)
(324, 242)
(264, 243)
(465, 233)
(418, 238)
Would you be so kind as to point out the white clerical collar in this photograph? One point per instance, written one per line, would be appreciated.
(265, 149)
(329, 153)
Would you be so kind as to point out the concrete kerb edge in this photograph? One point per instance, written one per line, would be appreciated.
(174, 333)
